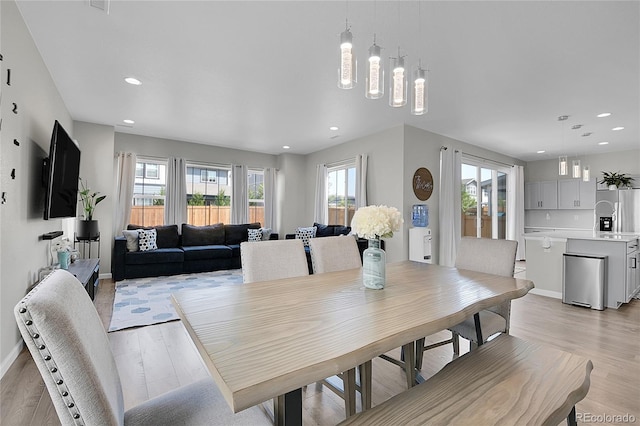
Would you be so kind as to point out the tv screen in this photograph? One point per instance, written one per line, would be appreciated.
(62, 171)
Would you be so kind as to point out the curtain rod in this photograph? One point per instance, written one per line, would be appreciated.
(487, 159)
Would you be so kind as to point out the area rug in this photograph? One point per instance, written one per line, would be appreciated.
(146, 301)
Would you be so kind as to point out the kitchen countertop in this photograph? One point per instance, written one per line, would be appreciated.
(584, 235)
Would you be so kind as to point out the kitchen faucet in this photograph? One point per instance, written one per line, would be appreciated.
(595, 215)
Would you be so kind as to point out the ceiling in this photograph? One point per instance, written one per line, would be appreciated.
(260, 75)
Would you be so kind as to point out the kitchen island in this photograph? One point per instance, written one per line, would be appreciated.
(544, 257)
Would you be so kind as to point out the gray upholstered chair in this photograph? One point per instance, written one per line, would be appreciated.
(70, 347)
(492, 257)
(331, 254)
(272, 260)
(334, 254)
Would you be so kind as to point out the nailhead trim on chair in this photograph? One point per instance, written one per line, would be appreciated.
(51, 366)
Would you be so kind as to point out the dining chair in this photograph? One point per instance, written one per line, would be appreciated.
(330, 254)
(68, 343)
(490, 256)
(272, 260)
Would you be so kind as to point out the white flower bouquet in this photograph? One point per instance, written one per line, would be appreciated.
(374, 222)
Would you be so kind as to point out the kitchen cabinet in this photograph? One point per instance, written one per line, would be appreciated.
(633, 270)
(541, 195)
(576, 194)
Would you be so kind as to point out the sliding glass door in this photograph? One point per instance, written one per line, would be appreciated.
(484, 199)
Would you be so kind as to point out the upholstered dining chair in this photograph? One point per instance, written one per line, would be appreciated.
(330, 254)
(490, 256)
(70, 347)
(272, 260)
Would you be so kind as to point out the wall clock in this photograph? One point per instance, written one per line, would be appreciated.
(422, 184)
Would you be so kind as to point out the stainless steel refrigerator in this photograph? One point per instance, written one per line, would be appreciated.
(623, 205)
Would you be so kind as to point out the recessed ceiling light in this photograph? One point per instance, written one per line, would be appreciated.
(334, 128)
(285, 147)
(132, 80)
(604, 114)
(618, 128)
(603, 143)
(128, 121)
(542, 151)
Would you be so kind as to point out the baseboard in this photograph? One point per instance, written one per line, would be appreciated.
(546, 293)
(105, 276)
(6, 363)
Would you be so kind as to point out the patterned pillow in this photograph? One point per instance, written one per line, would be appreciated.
(147, 239)
(255, 234)
(132, 239)
(266, 233)
(305, 234)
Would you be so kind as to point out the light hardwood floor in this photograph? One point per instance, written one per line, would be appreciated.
(154, 359)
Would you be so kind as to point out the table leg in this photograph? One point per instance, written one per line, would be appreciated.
(365, 384)
(288, 409)
(476, 320)
(409, 363)
(349, 386)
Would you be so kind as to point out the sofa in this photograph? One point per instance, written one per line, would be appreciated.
(328, 231)
(194, 249)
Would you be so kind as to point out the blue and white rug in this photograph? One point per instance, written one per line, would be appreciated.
(147, 301)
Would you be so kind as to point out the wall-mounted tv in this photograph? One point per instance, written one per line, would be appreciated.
(60, 172)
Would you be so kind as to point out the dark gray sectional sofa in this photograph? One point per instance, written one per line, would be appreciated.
(195, 249)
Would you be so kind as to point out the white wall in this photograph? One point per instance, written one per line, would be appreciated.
(293, 195)
(23, 252)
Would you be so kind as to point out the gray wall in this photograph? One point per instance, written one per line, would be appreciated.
(622, 161)
(22, 251)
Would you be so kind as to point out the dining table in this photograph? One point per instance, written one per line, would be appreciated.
(268, 339)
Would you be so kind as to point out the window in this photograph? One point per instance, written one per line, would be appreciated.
(341, 193)
(255, 189)
(208, 194)
(149, 193)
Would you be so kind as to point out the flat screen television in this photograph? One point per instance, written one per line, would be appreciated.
(61, 172)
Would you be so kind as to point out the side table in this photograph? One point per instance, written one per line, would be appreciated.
(87, 272)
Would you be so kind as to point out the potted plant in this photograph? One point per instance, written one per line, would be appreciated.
(616, 180)
(88, 228)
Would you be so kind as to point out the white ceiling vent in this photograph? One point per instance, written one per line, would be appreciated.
(101, 4)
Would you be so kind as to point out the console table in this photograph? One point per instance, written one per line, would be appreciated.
(87, 272)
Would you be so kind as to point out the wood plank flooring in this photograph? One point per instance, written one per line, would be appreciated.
(154, 359)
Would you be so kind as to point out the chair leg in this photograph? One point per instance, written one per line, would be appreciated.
(419, 353)
(455, 339)
(365, 384)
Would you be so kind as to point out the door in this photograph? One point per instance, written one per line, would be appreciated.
(484, 200)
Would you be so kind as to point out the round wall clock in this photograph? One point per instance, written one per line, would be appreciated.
(422, 184)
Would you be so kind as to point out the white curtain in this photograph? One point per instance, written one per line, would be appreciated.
(321, 205)
(124, 181)
(515, 209)
(269, 198)
(175, 206)
(361, 182)
(239, 196)
(450, 207)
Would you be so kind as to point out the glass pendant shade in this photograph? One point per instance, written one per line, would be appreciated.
(419, 92)
(576, 170)
(586, 173)
(563, 166)
(374, 82)
(348, 65)
(397, 83)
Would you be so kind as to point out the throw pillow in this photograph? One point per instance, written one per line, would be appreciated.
(305, 234)
(254, 234)
(147, 239)
(266, 233)
(132, 239)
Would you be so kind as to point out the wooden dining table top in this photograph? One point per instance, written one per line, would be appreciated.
(264, 339)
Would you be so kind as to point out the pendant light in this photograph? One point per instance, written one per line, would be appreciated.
(576, 169)
(374, 81)
(419, 104)
(397, 82)
(563, 163)
(586, 173)
(348, 65)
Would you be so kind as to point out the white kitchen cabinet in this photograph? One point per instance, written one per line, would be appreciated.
(541, 195)
(633, 270)
(576, 194)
